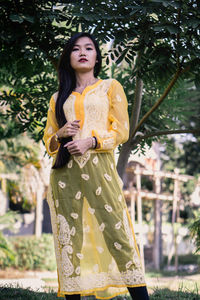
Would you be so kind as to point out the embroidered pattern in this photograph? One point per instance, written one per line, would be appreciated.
(78, 195)
(100, 249)
(118, 225)
(108, 177)
(119, 99)
(126, 125)
(91, 210)
(120, 198)
(95, 160)
(61, 184)
(117, 246)
(74, 215)
(85, 176)
(82, 159)
(98, 191)
(108, 208)
(70, 164)
(57, 203)
(80, 255)
(50, 130)
(102, 227)
(129, 264)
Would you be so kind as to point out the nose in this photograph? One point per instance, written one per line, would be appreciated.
(82, 52)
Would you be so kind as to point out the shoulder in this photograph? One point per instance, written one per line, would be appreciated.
(113, 85)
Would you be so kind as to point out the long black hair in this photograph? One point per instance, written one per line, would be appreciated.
(67, 83)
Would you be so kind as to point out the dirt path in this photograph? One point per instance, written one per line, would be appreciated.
(48, 280)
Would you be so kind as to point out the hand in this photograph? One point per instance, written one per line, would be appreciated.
(79, 147)
(69, 129)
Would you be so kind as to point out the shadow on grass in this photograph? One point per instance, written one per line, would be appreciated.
(9, 293)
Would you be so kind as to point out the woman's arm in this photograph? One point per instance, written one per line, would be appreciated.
(118, 131)
(52, 133)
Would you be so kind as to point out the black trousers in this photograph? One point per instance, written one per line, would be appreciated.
(137, 293)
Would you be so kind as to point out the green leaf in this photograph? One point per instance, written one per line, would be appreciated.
(16, 18)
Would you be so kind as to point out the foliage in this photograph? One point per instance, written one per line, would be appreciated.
(8, 293)
(159, 40)
(6, 251)
(16, 152)
(8, 220)
(195, 231)
(31, 253)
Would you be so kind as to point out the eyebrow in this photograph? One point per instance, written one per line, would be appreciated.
(88, 44)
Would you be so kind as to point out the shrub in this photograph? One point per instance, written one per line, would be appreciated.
(31, 253)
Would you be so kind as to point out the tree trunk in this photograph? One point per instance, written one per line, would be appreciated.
(128, 146)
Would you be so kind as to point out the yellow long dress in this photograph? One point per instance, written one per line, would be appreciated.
(94, 241)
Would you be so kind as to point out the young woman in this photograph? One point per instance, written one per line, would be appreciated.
(95, 246)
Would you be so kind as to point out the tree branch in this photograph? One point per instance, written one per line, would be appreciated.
(167, 132)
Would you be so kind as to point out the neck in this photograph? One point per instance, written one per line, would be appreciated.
(85, 79)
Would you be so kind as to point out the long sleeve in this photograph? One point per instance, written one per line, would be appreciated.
(51, 126)
(118, 119)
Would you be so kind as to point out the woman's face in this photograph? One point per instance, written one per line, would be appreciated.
(83, 56)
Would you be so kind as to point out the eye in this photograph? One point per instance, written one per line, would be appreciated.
(89, 48)
(75, 49)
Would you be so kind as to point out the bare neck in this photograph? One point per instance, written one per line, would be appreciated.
(85, 79)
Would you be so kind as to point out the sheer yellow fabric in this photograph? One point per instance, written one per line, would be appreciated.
(102, 110)
(94, 241)
(51, 126)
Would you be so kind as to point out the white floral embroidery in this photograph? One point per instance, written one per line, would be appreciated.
(109, 143)
(127, 228)
(102, 227)
(117, 246)
(68, 267)
(50, 130)
(98, 191)
(65, 233)
(108, 177)
(69, 249)
(108, 207)
(119, 99)
(82, 159)
(95, 160)
(100, 249)
(114, 125)
(57, 203)
(86, 229)
(129, 264)
(112, 166)
(80, 255)
(78, 195)
(118, 225)
(74, 215)
(85, 176)
(120, 198)
(126, 125)
(91, 210)
(78, 270)
(73, 232)
(61, 184)
(96, 268)
(70, 164)
(64, 237)
(111, 265)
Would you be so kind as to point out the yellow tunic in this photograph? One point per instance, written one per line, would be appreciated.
(94, 240)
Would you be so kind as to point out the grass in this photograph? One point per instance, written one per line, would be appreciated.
(9, 293)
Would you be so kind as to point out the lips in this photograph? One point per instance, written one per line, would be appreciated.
(83, 60)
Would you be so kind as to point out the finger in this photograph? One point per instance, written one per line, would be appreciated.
(68, 144)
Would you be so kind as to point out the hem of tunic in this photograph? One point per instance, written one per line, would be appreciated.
(92, 291)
